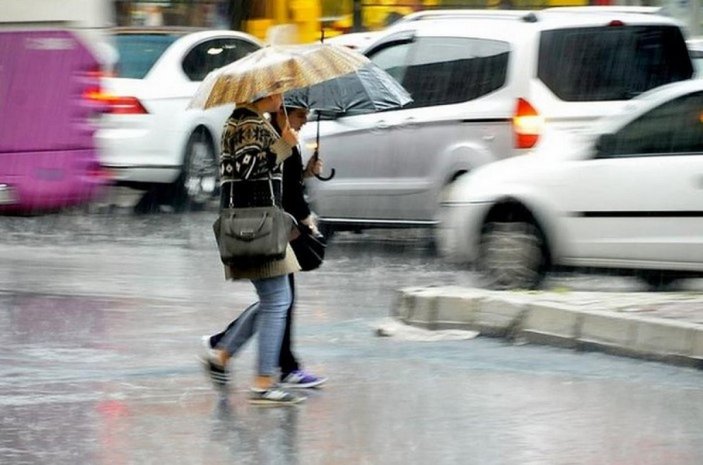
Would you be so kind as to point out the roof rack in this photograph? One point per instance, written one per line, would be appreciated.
(648, 10)
(525, 15)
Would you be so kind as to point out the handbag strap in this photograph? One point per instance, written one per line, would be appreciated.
(272, 192)
(273, 196)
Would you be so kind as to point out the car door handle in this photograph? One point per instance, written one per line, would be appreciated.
(410, 122)
(380, 126)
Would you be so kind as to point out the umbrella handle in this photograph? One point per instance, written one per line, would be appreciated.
(316, 156)
(326, 178)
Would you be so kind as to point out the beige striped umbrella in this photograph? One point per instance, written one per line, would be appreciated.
(275, 69)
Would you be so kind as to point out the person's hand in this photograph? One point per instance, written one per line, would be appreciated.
(290, 135)
(311, 222)
(314, 167)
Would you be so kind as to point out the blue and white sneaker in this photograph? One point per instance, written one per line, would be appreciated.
(300, 379)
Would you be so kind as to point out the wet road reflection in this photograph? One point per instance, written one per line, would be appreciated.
(100, 320)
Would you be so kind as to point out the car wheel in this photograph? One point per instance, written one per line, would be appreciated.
(198, 182)
(511, 255)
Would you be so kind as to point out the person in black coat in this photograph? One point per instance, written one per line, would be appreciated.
(292, 375)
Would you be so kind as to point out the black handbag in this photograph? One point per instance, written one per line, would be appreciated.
(309, 248)
(249, 236)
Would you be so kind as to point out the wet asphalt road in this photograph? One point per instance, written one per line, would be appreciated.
(100, 319)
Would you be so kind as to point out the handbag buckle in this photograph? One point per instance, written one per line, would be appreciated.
(247, 234)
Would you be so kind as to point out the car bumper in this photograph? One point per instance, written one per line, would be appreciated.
(139, 155)
(142, 174)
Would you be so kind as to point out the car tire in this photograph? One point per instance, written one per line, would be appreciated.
(199, 180)
(512, 255)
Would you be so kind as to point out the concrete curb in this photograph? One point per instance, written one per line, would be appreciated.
(642, 325)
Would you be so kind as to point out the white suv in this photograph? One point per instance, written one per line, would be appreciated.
(485, 85)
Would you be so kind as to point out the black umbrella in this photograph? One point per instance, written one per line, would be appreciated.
(366, 90)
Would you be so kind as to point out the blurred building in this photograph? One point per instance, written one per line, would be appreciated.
(196, 13)
(306, 18)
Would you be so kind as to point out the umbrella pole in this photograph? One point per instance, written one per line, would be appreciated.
(285, 110)
(317, 138)
(316, 153)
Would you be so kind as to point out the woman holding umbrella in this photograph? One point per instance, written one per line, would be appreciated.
(252, 153)
(250, 167)
(291, 373)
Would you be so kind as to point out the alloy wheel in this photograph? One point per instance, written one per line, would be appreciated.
(200, 170)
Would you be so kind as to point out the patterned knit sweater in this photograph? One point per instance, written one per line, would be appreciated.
(251, 151)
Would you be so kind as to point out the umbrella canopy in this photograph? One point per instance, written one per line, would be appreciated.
(367, 89)
(275, 69)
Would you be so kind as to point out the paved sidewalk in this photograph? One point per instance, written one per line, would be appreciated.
(658, 326)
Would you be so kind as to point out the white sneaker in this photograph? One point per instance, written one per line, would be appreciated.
(274, 396)
(209, 350)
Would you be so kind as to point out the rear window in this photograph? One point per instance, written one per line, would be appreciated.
(611, 63)
(139, 52)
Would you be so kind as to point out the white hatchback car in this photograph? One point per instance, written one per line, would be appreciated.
(148, 139)
(485, 86)
(627, 197)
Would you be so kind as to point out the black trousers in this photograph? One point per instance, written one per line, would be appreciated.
(286, 359)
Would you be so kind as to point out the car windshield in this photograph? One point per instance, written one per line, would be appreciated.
(139, 52)
(611, 63)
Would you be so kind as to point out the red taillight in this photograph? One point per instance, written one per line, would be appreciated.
(527, 124)
(118, 104)
(92, 89)
(121, 105)
(616, 23)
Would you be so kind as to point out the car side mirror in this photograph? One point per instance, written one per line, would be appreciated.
(605, 145)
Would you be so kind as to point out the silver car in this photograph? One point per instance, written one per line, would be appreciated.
(485, 85)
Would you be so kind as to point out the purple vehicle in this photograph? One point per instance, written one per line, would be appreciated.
(48, 116)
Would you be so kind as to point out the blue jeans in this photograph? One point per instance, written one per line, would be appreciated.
(245, 325)
(268, 318)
